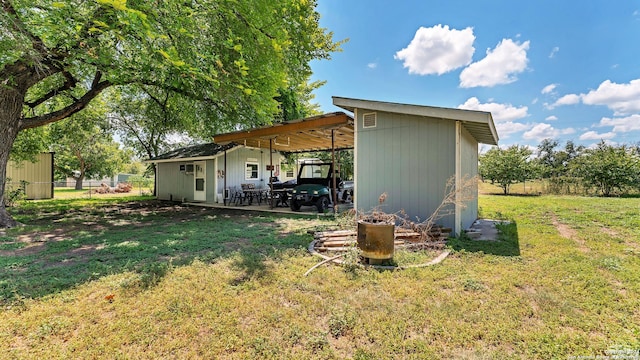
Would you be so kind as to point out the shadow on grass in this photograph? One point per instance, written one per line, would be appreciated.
(59, 250)
(507, 243)
(514, 194)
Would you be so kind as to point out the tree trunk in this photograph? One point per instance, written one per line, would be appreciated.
(79, 181)
(155, 179)
(10, 115)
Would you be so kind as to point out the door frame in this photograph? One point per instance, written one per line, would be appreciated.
(199, 172)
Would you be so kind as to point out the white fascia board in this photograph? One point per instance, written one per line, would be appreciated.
(471, 116)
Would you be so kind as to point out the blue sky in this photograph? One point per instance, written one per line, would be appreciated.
(568, 70)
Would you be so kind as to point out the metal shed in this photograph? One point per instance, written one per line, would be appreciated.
(411, 151)
(38, 176)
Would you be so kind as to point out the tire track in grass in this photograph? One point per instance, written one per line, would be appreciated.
(569, 233)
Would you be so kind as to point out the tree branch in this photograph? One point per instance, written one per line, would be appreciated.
(17, 25)
(96, 88)
(69, 83)
(249, 25)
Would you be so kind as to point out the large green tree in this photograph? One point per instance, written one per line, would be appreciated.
(507, 166)
(609, 169)
(84, 146)
(151, 121)
(233, 55)
(553, 162)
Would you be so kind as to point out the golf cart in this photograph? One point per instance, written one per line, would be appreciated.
(314, 186)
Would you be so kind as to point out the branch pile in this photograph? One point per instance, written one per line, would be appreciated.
(343, 240)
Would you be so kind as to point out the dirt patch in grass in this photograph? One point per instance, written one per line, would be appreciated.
(25, 251)
(568, 233)
(36, 242)
(609, 232)
(43, 236)
(238, 244)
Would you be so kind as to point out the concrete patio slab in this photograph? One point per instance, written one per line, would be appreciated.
(484, 229)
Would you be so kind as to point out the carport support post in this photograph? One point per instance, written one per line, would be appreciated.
(270, 162)
(333, 169)
(224, 191)
(271, 167)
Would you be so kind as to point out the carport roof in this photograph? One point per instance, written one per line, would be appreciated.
(309, 134)
(478, 123)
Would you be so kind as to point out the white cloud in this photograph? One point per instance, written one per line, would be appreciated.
(437, 50)
(569, 99)
(551, 118)
(543, 131)
(505, 129)
(553, 53)
(499, 112)
(548, 89)
(623, 99)
(372, 65)
(625, 124)
(592, 135)
(498, 67)
(608, 142)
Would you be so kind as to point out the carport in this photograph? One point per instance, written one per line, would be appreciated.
(328, 132)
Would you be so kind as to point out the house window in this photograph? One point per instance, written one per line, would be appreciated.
(290, 174)
(251, 171)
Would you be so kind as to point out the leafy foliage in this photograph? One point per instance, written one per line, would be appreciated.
(507, 166)
(555, 166)
(232, 56)
(15, 194)
(28, 144)
(84, 147)
(609, 169)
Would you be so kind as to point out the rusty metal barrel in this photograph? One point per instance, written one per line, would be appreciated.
(375, 240)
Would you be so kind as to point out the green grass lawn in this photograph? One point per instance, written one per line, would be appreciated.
(132, 278)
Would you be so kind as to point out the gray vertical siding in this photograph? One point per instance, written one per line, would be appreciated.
(236, 166)
(469, 166)
(408, 157)
(210, 181)
(174, 184)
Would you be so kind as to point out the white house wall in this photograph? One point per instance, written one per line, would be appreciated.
(410, 158)
(236, 162)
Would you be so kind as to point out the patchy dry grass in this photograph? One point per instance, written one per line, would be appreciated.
(136, 280)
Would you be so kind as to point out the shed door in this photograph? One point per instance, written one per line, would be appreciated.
(199, 176)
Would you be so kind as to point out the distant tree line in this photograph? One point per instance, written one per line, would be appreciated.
(605, 170)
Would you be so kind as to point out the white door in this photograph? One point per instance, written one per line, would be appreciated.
(199, 176)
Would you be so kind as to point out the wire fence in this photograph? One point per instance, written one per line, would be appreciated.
(67, 190)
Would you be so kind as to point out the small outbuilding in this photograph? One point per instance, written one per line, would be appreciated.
(411, 151)
(37, 176)
(199, 173)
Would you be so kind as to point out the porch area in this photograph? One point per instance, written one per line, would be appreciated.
(266, 207)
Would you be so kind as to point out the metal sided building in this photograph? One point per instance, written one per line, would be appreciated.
(38, 176)
(411, 151)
